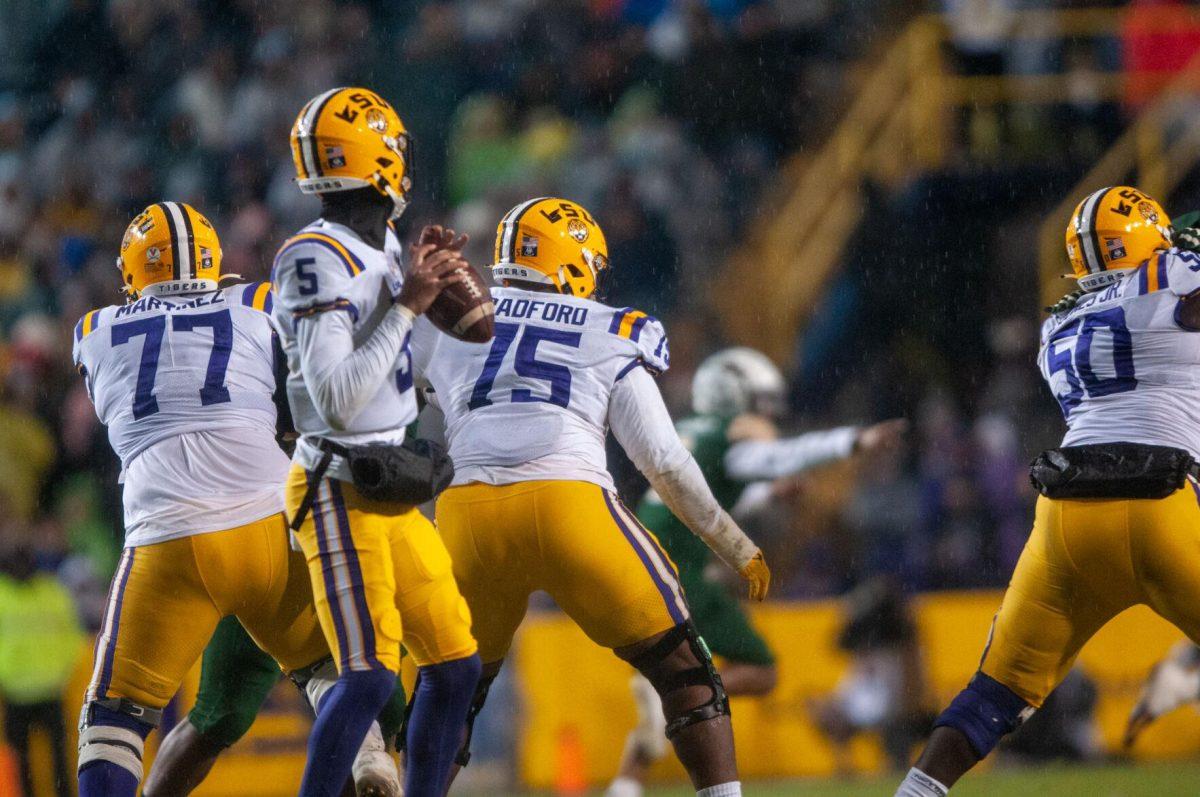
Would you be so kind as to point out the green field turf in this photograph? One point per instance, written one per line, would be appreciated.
(1144, 780)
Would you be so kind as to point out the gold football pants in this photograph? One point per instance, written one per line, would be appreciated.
(166, 599)
(1085, 562)
(572, 539)
(380, 576)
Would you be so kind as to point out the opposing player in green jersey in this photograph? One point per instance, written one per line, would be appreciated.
(737, 394)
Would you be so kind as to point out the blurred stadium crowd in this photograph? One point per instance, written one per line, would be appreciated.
(666, 119)
(654, 114)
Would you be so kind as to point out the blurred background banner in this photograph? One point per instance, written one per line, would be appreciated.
(575, 705)
(873, 192)
(577, 694)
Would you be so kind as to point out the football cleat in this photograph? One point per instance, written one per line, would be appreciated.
(1111, 232)
(169, 248)
(551, 241)
(374, 770)
(735, 381)
(1174, 681)
(349, 138)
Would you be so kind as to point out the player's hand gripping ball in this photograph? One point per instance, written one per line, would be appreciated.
(758, 575)
(464, 308)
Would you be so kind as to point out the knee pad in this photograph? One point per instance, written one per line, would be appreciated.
(114, 731)
(667, 679)
(984, 712)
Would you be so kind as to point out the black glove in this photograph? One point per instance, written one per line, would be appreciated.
(1187, 239)
(1066, 303)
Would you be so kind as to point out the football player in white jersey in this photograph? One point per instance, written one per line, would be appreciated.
(1118, 522)
(532, 505)
(183, 378)
(379, 570)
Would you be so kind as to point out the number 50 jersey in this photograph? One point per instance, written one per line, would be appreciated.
(1123, 365)
(533, 404)
(184, 385)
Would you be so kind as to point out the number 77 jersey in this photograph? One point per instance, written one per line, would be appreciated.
(185, 385)
(533, 403)
(1123, 364)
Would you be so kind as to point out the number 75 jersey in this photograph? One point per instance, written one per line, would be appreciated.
(1122, 363)
(533, 403)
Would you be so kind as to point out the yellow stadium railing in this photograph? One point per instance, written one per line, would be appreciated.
(794, 248)
(900, 124)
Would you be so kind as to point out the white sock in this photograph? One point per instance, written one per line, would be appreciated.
(731, 789)
(624, 787)
(918, 784)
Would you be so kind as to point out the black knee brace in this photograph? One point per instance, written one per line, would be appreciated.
(481, 693)
(464, 752)
(666, 681)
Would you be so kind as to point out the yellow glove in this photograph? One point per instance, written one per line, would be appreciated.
(758, 574)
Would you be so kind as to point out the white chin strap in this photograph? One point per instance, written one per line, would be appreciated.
(1101, 279)
(399, 203)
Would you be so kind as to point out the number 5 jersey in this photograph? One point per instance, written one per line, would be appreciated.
(185, 385)
(1123, 364)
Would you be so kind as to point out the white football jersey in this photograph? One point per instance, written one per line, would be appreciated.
(184, 385)
(1122, 365)
(326, 267)
(533, 403)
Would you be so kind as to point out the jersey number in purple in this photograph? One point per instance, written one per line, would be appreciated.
(213, 390)
(1076, 363)
(526, 364)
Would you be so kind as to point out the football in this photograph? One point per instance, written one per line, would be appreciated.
(465, 309)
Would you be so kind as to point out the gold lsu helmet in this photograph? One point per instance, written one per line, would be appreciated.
(169, 248)
(551, 241)
(1112, 231)
(350, 138)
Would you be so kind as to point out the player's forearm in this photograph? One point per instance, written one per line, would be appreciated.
(689, 498)
(640, 422)
(340, 378)
(756, 460)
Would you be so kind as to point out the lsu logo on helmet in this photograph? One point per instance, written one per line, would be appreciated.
(551, 241)
(1112, 231)
(349, 138)
(169, 248)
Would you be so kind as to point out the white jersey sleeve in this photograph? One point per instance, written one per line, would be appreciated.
(648, 336)
(311, 277)
(642, 425)
(1180, 271)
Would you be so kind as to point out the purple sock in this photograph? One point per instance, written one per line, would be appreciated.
(102, 778)
(345, 714)
(437, 724)
(106, 779)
